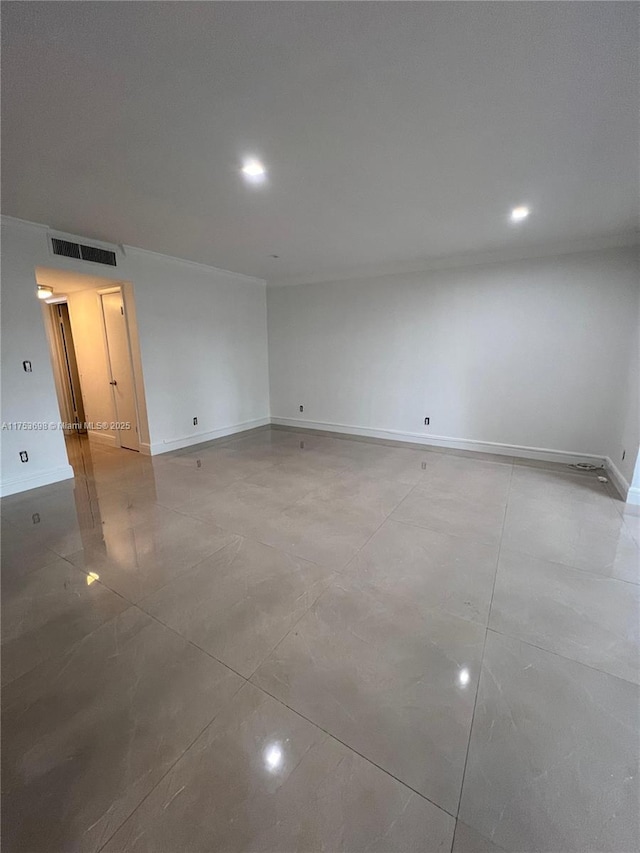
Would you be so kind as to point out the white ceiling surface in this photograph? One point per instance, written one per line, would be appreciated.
(392, 132)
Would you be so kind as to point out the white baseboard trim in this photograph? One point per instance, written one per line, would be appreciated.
(201, 437)
(633, 496)
(13, 485)
(100, 437)
(618, 479)
(542, 454)
(145, 448)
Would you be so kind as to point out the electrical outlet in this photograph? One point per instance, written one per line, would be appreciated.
(427, 421)
(27, 366)
(302, 408)
(424, 466)
(302, 445)
(35, 518)
(195, 422)
(24, 456)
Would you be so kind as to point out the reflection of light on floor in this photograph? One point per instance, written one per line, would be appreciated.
(91, 577)
(463, 677)
(273, 757)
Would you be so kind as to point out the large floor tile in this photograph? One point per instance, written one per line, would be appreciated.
(243, 505)
(261, 778)
(46, 611)
(224, 463)
(172, 485)
(553, 757)
(470, 479)
(631, 516)
(391, 680)
(573, 533)
(458, 516)
(137, 561)
(23, 554)
(51, 519)
(467, 840)
(450, 574)
(590, 619)
(239, 603)
(87, 735)
(330, 525)
(388, 463)
(562, 483)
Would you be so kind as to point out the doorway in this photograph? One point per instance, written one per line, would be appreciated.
(120, 364)
(93, 339)
(70, 392)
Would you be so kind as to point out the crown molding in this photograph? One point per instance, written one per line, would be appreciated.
(22, 223)
(470, 259)
(249, 279)
(126, 249)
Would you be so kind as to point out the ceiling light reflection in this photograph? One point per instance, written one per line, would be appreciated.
(273, 757)
(464, 677)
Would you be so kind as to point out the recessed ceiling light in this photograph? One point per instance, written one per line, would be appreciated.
(519, 214)
(254, 171)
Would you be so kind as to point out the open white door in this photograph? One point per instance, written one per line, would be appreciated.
(121, 368)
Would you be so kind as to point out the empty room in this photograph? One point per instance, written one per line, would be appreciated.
(320, 490)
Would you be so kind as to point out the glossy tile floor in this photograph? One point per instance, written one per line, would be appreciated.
(290, 642)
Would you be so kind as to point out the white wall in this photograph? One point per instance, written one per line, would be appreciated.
(533, 354)
(203, 345)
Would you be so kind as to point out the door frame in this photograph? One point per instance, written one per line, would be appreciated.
(57, 357)
(104, 291)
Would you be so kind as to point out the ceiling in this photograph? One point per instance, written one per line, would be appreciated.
(392, 132)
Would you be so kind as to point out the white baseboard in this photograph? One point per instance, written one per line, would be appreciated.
(13, 485)
(618, 479)
(633, 496)
(543, 454)
(100, 437)
(200, 437)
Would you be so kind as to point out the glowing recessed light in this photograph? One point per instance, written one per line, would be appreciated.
(44, 292)
(273, 757)
(519, 214)
(254, 171)
(463, 677)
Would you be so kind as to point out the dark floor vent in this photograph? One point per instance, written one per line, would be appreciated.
(84, 253)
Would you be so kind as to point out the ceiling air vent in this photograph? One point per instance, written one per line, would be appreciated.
(84, 253)
(64, 247)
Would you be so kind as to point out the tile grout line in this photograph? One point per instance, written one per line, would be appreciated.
(189, 642)
(563, 657)
(347, 746)
(329, 585)
(164, 775)
(484, 645)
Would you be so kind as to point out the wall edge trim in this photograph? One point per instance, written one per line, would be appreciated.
(543, 454)
(14, 485)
